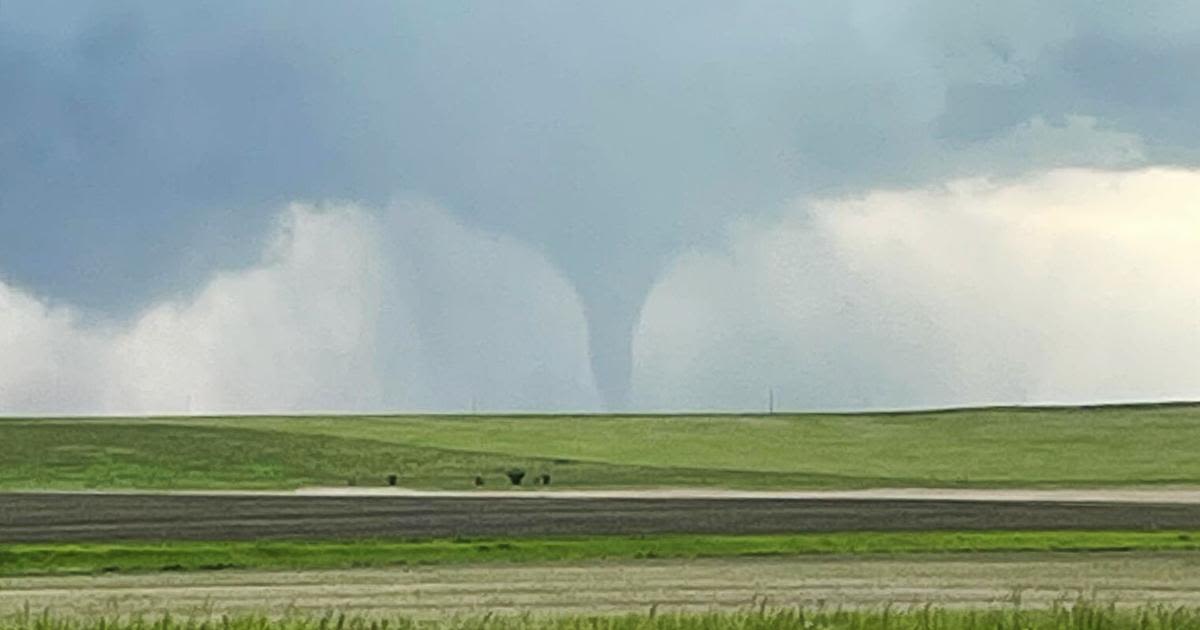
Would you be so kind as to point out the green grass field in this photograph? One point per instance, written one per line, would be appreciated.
(1068, 447)
(1004, 447)
(130, 557)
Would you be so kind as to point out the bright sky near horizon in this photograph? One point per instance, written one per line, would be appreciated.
(276, 206)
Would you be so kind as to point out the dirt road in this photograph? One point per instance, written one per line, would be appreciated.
(980, 580)
(78, 517)
(1133, 494)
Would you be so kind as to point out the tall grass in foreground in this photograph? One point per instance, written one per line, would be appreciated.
(1078, 616)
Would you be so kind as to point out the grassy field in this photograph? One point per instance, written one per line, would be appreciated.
(1036, 447)
(97, 558)
(1081, 615)
(568, 581)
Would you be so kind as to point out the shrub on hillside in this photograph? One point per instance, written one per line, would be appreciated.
(515, 475)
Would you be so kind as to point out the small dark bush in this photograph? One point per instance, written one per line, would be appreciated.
(545, 479)
(392, 479)
(478, 481)
(515, 475)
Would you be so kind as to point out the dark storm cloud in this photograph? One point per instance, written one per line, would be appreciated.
(144, 144)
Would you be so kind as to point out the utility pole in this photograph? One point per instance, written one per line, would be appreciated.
(770, 400)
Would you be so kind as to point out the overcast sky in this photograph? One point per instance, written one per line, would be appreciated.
(548, 206)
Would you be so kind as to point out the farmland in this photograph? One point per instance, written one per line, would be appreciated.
(1004, 447)
(277, 520)
(100, 517)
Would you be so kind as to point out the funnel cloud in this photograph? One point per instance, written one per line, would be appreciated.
(147, 149)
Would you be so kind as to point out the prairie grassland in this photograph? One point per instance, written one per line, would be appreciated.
(1002, 447)
(146, 454)
(1009, 446)
(179, 556)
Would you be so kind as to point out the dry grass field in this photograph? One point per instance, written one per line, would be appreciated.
(983, 581)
